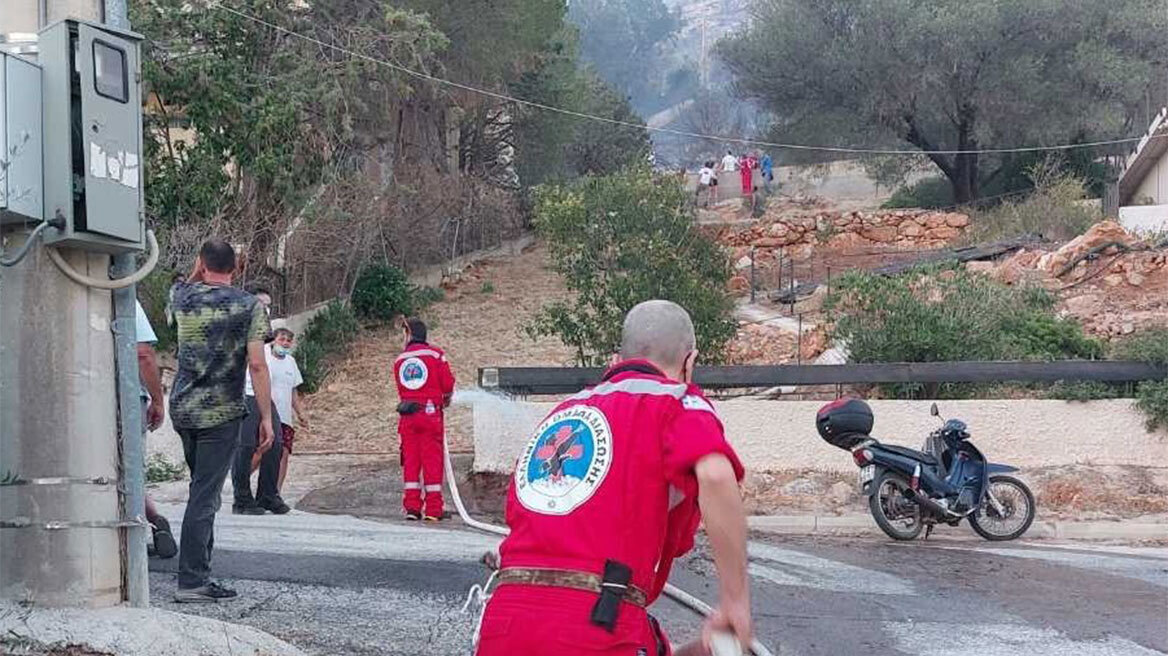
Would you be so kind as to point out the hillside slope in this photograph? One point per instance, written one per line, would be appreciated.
(479, 323)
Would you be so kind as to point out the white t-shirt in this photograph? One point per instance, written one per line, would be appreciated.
(729, 163)
(705, 175)
(285, 375)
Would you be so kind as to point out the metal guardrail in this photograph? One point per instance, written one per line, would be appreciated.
(564, 380)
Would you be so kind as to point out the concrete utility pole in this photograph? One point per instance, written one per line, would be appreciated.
(62, 531)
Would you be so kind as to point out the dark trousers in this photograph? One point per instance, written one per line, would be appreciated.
(249, 429)
(209, 453)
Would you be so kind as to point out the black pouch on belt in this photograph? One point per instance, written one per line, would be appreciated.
(408, 407)
(613, 587)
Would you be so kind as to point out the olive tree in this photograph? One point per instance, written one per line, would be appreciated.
(953, 75)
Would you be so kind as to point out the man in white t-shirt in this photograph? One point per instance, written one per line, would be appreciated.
(286, 379)
(729, 162)
(705, 176)
(249, 457)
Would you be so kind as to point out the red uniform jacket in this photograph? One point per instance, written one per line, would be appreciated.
(423, 375)
(609, 474)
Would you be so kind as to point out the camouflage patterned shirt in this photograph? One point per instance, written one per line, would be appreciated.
(215, 323)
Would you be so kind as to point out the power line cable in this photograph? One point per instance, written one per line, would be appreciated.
(663, 130)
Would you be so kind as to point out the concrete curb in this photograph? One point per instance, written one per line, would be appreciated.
(863, 525)
(131, 632)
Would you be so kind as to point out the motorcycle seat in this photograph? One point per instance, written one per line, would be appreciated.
(920, 456)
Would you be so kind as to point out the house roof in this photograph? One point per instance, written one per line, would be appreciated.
(1149, 151)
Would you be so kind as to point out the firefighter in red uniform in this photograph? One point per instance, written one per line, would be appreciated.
(424, 387)
(608, 492)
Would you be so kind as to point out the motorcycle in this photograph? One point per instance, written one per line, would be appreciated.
(947, 481)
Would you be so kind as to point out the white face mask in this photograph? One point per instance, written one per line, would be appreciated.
(281, 351)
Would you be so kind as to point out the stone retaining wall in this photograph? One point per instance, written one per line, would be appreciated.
(907, 228)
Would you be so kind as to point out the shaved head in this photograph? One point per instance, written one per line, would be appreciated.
(658, 331)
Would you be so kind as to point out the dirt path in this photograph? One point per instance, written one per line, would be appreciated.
(479, 323)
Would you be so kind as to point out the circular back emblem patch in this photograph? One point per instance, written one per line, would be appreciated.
(565, 462)
(413, 374)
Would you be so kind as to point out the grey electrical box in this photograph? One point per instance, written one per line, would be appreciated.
(93, 136)
(21, 165)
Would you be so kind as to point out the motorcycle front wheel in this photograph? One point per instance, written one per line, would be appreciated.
(899, 518)
(1013, 518)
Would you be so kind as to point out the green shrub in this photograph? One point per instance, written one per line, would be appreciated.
(488, 287)
(161, 470)
(939, 314)
(1043, 336)
(929, 193)
(423, 297)
(153, 294)
(1084, 390)
(1152, 399)
(382, 292)
(622, 239)
(1149, 345)
(328, 334)
(1055, 210)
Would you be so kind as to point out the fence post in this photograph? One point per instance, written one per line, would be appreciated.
(799, 341)
(753, 285)
(779, 282)
(791, 281)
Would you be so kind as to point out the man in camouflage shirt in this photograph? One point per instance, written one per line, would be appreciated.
(221, 333)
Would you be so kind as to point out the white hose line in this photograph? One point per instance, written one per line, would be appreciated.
(116, 283)
(673, 592)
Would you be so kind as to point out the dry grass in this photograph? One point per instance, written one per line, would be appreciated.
(800, 491)
(1112, 490)
(478, 324)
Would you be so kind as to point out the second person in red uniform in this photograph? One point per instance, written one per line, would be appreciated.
(608, 492)
(425, 384)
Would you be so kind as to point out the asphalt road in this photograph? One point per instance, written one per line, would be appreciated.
(338, 585)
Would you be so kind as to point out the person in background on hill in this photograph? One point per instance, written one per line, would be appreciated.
(708, 182)
(607, 493)
(175, 280)
(767, 167)
(286, 379)
(425, 385)
(251, 456)
(729, 162)
(221, 332)
(153, 413)
(746, 167)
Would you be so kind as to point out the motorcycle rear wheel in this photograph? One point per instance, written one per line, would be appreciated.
(899, 518)
(1018, 502)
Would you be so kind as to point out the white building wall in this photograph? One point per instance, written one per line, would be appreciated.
(1155, 185)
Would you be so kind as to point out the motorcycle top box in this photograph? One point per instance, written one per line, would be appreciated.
(845, 423)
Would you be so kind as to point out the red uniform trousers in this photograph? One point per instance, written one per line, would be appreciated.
(422, 458)
(527, 620)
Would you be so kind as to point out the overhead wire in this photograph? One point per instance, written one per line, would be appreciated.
(672, 131)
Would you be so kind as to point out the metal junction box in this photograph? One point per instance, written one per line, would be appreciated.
(92, 136)
(21, 194)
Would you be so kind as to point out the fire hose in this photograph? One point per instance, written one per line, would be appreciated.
(673, 592)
